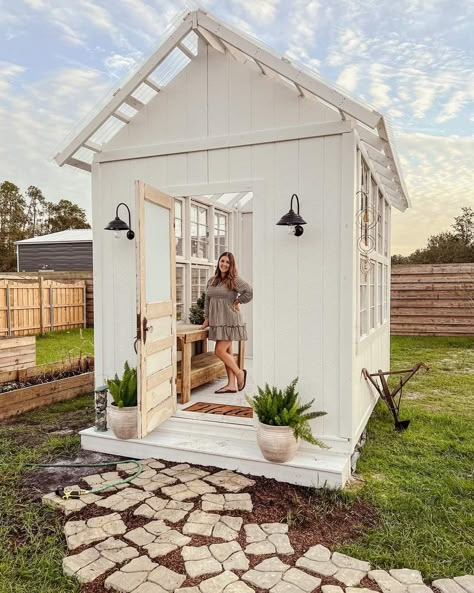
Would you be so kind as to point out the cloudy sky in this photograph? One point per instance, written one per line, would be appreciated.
(410, 59)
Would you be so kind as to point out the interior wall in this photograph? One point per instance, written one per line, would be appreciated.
(303, 305)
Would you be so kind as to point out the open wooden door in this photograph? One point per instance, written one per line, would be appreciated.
(156, 304)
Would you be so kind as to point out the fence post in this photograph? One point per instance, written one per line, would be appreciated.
(41, 304)
(84, 297)
(51, 308)
(9, 319)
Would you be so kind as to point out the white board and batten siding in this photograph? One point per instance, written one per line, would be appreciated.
(303, 300)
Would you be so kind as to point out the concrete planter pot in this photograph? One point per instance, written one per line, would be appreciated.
(123, 422)
(277, 443)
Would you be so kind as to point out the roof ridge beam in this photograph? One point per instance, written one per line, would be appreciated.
(289, 71)
(132, 84)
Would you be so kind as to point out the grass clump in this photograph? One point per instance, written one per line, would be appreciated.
(63, 345)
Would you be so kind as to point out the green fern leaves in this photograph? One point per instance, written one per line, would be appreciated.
(277, 407)
(124, 390)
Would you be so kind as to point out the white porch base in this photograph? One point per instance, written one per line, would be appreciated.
(175, 440)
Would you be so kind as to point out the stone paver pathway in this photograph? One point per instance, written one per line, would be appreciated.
(173, 506)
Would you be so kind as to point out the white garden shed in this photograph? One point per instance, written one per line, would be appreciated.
(215, 133)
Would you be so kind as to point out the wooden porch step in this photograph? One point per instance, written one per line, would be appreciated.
(204, 368)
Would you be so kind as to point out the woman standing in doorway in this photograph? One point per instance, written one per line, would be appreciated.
(225, 292)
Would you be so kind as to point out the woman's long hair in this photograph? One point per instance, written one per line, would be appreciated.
(231, 275)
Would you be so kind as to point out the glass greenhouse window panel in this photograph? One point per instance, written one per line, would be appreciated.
(194, 216)
(372, 296)
(363, 306)
(380, 295)
(178, 227)
(203, 216)
(157, 253)
(199, 277)
(385, 292)
(180, 276)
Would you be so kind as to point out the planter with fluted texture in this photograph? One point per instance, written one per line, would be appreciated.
(123, 422)
(277, 443)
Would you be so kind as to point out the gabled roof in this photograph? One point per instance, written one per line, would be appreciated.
(72, 236)
(180, 47)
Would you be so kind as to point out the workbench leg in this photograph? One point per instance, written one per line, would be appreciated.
(186, 373)
(204, 346)
(241, 355)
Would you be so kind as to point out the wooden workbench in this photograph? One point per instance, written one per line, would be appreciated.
(201, 368)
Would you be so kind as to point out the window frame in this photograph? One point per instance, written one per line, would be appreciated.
(189, 261)
(379, 256)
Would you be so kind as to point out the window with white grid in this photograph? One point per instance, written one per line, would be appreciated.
(363, 305)
(179, 226)
(221, 233)
(372, 297)
(199, 278)
(180, 296)
(199, 231)
(385, 292)
(380, 296)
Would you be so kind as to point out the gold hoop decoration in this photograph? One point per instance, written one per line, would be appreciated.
(367, 218)
(366, 265)
(366, 244)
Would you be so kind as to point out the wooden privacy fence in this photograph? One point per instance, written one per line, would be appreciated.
(432, 300)
(36, 306)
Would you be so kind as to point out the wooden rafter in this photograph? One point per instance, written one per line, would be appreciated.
(135, 103)
(152, 85)
(187, 52)
(133, 83)
(211, 39)
(121, 116)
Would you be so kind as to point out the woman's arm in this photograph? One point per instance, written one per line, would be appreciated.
(245, 291)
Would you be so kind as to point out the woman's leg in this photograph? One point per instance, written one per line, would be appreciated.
(230, 375)
(221, 351)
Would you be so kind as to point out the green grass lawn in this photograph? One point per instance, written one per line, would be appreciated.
(419, 483)
(63, 345)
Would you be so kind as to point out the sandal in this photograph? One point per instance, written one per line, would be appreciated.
(245, 381)
(225, 391)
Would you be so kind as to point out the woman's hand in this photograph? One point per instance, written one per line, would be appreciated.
(205, 324)
(236, 306)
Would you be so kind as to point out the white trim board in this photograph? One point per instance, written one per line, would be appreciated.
(230, 141)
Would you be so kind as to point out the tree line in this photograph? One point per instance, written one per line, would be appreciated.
(453, 246)
(27, 215)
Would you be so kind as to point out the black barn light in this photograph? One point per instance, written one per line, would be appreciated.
(293, 218)
(117, 225)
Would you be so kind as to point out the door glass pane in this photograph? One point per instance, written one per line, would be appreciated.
(157, 253)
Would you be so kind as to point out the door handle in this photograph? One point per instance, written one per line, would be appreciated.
(145, 328)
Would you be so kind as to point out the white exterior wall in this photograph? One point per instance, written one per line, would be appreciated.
(303, 306)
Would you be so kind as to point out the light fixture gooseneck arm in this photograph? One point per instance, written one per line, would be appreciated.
(128, 210)
(297, 203)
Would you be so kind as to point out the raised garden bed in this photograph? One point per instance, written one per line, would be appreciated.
(46, 384)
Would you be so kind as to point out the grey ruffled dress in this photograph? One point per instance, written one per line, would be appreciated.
(224, 322)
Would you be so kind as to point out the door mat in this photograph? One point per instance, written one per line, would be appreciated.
(220, 409)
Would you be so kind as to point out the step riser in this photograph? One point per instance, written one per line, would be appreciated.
(245, 432)
(282, 472)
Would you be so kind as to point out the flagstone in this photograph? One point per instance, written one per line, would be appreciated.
(218, 583)
(419, 589)
(143, 563)
(349, 576)
(223, 551)
(148, 587)
(466, 582)
(157, 527)
(407, 576)
(159, 549)
(254, 533)
(281, 543)
(284, 587)
(166, 578)
(198, 568)
(318, 553)
(332, 589)
(238, 561)
(238, 587)
(448, 586)
(272, 565)
(234, 523)
(348, 562)
(230, 481)
(195, 553)
(140, 536)
(271, 528)
(197, 529)
(301, 579)
(262, 580)
(93, 570)
(71, 564)
(260, 548)
(387, 583)
(326, 569)
(124, 582)
(223, 532)
(67, 506)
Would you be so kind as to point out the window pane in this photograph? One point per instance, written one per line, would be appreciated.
(380, 294)
(193, 213)
(372, 296)
(203, 216)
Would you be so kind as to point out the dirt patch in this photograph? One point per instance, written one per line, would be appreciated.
(43, 480)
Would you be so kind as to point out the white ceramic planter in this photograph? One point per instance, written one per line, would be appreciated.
(123, 422)
(277, 443)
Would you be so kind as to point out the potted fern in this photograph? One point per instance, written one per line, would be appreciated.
(282, 421)
(123, 411)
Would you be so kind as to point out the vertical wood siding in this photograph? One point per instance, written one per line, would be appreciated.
(297, 281)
